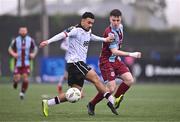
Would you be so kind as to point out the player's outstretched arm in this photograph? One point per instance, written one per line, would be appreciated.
(115, 51)
(55, 38)
(135, 54)
(97, 38)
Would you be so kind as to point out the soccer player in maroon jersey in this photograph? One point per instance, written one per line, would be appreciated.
(111, 65)
(23, 49)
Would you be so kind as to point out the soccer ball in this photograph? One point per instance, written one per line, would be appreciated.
(73, 95)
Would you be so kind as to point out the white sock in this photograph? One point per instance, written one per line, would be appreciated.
(21, 94)
(51, 102)
(111, 99)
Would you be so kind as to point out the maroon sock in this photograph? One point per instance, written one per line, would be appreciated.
(97, 98)
(15, 83)
(121, 89)
(24, 86)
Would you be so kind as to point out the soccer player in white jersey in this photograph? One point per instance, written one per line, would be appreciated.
(77, 68)
(64, 46)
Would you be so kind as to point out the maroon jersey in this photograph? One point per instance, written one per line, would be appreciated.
(23, 46)
(110, 65)
(106, 53)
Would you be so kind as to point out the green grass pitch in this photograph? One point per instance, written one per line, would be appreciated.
(142, 103)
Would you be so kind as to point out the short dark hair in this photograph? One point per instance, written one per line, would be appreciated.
(116, 13)
(88, 15)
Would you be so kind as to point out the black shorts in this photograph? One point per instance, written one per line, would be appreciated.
(77, 73)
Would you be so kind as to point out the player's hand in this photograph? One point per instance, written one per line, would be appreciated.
(110, 38)
(43, 44)
(135, 54)
(15, 55)
(32, 55)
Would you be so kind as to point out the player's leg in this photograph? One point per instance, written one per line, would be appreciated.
(108, 75)
(128, 80)
(55, 101)
(24, 85)
(25, 71)
(51, 102)
(110, 86)
(59, 86)
(93, 77)
(16, 77)
(82, 93)
(74, 80)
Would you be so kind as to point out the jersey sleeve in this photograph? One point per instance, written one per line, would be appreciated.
(33, 47)
(57, 37)
(72, 32)
(13, 45)
(97, 38)
(62, 35)
(69, 29)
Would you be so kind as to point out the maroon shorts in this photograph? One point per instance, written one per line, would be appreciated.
(22, 70)
(112, 70)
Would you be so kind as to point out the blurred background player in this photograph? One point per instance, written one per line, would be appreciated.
(64, 46)
(77, 68)
(111, 65)
(22, 49)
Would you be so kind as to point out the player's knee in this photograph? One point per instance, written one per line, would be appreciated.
(111, 90)
(130, 81)
(25, 80)
(16, 78)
